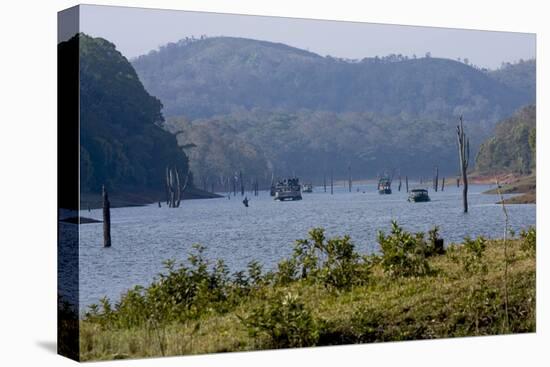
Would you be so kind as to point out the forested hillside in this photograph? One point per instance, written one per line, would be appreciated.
(122, 143)
(311, 144)
(213, 76)
(262, 107)
(521, 76)
(512, 149)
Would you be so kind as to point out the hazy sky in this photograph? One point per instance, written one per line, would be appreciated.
(136, 31)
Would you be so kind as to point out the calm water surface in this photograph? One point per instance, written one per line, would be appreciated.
(143, 237)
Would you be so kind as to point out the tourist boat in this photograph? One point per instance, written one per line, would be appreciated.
(307, 187)
(384, 186)
(418, 195)
(288, 189)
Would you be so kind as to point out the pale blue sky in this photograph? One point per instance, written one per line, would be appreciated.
(136, 31)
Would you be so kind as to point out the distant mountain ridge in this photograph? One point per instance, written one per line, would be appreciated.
(520, 76)
(220, 75)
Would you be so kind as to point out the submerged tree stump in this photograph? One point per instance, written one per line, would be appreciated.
(241, 182)
(399, 186)
(349, 178)
(174, 188)
(436, 179)
(106, 218)
(464, 158)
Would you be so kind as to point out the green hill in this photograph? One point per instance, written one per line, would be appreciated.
(213, 76)
(520, 75)
(512, 148)
(260, 106)
(122, 143)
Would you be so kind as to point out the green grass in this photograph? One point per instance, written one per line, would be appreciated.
(451, 301)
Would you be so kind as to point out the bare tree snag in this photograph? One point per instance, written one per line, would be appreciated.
(106, 218)
(464, 158)
(349, 177)
(436, 179)
(399, 186)
(242, 182)
(174, 187)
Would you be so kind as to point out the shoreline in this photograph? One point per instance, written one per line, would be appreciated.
(122, 200)
(525, 186)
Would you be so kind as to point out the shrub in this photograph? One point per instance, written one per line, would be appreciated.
(333, 262)
(368, 325)
(286, 272)
(179, 293)
(255, 273)
(435, 243)
(403, 253)
(283, 322)
(529, 241)
(472, 259)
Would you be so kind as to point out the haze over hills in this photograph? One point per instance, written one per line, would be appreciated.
(521, 76)
(270, 106)
(202, 78)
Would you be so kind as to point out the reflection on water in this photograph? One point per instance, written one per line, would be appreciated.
(143, 237)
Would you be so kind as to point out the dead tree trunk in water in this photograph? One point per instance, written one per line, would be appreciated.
(242, 183)
(174, 187)
(106, 218)
(399, 186)
(457, 181)
(167, 187)
(349, 177)
(177, 195)
(436, 178)
(331, 183)
(325, 181)
(407, 183)
(464, 158)
(443, 184)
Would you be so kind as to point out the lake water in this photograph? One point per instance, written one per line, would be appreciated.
(143, 237)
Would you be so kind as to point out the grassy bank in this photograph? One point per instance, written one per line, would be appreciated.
(527, 186)
(325, 294)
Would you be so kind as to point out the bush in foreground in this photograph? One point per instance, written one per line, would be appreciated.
(324, 294)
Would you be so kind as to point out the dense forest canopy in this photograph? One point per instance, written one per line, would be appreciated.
(512, 149)
(311, 144)
(214, 76)
(261, 107)
(520, 76)
(122, 142)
